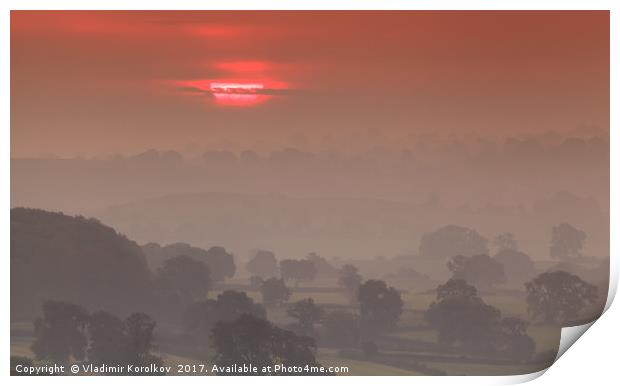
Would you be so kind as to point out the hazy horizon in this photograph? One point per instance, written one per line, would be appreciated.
(121, 82)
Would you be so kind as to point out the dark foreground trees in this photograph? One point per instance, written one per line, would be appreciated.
(380, 307)
(60, 335)
(67, 332)
(252, 340)
(558, 296)
(201, 317)
(464, 320)
(184, 278)
(460, 316)
(180, 281)
(123, 342)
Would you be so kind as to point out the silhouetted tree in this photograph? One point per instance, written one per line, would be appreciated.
(274, 292)
(293, 350)
(340, 329)
(322, 267)
(139, 328)
(350, 280)
(180, 281)
(113, 341)
(453, 240)
(566, 241)
(518, 267)
(307, 314)
(61, 333)
(108, 340)
(479, 270)
(186, 277)
(263, 264)
(201, 317)
(461, 317)
(297, 270)
(505, 242)
(380, 307)
(558, 296)
(229, 305)
(221, 264)
(249, 339)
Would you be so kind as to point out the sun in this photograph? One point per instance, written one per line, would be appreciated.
(238, 94)
(234, 92)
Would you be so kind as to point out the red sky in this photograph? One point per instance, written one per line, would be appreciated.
(98, 83)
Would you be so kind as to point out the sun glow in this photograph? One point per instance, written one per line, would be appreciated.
(238, 94)
(234, 92)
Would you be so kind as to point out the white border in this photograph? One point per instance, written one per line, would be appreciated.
(579, 366)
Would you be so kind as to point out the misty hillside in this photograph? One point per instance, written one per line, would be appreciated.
(54, 256)
(291, 226)
(346, 228)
